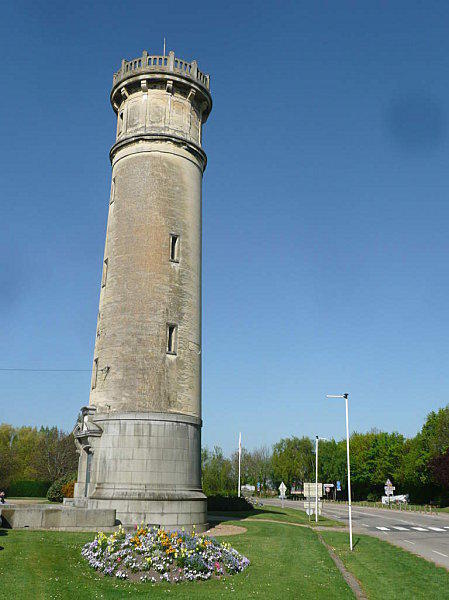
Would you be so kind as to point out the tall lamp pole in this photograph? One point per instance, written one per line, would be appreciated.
(345, 396)
(317, 439)
(240, 460)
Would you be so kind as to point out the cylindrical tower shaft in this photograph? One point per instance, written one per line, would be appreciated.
(139, 438)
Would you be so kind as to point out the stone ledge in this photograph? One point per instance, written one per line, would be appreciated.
(61, 518)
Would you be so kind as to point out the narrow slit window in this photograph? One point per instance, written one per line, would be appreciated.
(95, 374)
(105, 273)
(174, 247)
(172, 338)
(112, 196)
(120, 123)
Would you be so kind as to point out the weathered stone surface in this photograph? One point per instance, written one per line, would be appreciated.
(58, 517)
(140, 437)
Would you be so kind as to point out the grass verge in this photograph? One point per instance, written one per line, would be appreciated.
(386, 571)
(276, 513)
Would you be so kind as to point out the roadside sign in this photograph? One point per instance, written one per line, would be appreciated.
(309, 490)
(282, 489)
(258, 486)
(338, 486)
(389, 488)
(309, 505)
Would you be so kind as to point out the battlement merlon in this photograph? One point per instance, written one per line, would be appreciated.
(160, 67)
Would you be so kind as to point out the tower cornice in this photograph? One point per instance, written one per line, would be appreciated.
(194, 149)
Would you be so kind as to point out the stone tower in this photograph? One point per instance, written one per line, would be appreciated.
(140, 437)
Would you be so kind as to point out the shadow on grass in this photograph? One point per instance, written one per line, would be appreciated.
(221, 516)
(3, 532)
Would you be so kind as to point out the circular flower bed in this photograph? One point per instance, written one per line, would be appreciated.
(152, 554)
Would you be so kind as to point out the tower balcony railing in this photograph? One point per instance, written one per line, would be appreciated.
(148, 63)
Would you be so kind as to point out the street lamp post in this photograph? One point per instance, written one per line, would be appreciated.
(345, 396)
(317, 439)
(240, 460)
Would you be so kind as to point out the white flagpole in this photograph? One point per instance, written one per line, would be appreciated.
(240, 460)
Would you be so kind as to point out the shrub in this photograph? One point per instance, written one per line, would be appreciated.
(68, 489)
(31, 489)
(228, 503)
(55, 493)
(371, 497)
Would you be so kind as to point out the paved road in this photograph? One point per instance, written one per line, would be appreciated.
(426, 535)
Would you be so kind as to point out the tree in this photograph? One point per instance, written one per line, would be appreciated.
(56, 454)
(6, 457)
(440, 469)
(293, 460)
(332, 462)
(216, 473)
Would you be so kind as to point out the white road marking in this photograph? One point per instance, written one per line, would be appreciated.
(365, 525)
(409, 542)
(383, 528)
(440, 553)
(420, 529)
(446, 527)
(400, 528)
(436, 529)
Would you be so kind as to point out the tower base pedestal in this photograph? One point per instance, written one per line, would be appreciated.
(145, 466)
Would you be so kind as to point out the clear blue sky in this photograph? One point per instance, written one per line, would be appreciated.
(326, 208)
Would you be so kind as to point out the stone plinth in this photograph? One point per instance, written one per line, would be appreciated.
(57, 517)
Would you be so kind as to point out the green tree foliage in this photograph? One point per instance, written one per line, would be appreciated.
(332, 462)
(418, 466)
(217, 473)
(31, 454)
(375, 457)
(293, 461)
(7, 462)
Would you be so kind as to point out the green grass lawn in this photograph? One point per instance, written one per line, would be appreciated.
(286, 562)
(386, 571)
(276, 513)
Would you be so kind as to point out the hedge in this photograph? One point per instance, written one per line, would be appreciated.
(228, 503)
(30, 489)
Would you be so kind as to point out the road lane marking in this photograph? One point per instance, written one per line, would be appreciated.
(436, 528)
(400, 528)
(440, 553)
(420, 529)
(408, 541)
(383, 528)
(365, 525)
